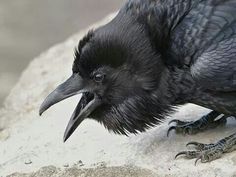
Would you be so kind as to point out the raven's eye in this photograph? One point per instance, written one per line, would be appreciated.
(99, 77)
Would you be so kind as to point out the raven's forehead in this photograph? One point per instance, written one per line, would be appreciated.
(97, 52)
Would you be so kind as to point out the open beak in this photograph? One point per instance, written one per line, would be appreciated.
(87, 104)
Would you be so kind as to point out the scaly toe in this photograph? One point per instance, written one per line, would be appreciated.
(197, 145)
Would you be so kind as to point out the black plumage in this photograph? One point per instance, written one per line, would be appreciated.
(152, 57)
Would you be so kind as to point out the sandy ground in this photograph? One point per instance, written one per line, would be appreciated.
(92, 172)
(32, 146)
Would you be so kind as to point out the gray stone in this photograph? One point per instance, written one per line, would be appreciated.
(40, 138)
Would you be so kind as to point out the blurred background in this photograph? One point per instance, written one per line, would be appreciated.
(29, 27)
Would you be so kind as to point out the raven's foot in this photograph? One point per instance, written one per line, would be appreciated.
(206, 122)
(210, 152)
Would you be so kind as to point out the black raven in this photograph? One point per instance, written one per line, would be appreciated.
(153, 56)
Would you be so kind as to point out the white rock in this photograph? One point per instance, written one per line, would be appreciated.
(40, 138)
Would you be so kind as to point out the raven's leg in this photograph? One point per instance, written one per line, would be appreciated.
(206, 122)
(209, 152)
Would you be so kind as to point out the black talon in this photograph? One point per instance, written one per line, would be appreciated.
(209, 152)
(178, 122)
(204, 123)
(192, 143)
(199, 158)
(170, 129)
(180, 153)
(173, 121)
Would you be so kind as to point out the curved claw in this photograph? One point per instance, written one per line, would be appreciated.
(170, 129)
(199, 158)
(198, 146)
(179, 122)
(173, 121)
(193, 143)
(181, 153)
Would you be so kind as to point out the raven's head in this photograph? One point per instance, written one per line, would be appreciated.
(119, 74)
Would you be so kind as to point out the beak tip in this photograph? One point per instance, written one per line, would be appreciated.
(65, 138)
(41, 110)
(68, 132)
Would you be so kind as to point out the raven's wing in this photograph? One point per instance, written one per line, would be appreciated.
(216, 67)
(207, 39)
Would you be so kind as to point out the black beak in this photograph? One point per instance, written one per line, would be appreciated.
(88, 103)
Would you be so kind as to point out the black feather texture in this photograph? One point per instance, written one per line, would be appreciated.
(78, 50)
(158, 54)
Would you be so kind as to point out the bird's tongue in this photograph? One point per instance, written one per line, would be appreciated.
(88, 103)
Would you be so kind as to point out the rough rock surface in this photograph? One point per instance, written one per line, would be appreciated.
(31, 146)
